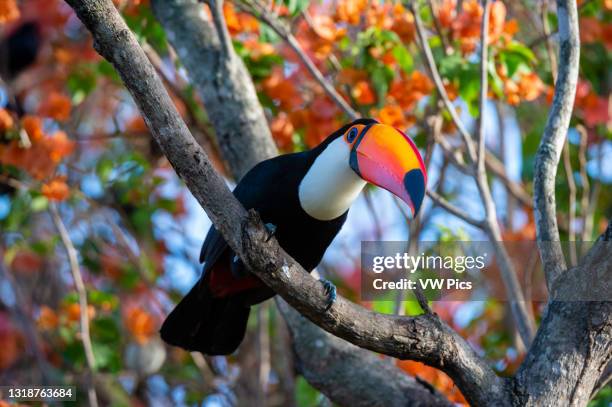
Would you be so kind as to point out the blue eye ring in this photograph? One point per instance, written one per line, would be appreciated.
(352, 135)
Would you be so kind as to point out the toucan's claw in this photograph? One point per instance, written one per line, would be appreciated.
(330, 290)
(271, 228)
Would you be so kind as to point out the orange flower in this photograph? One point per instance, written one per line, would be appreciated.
(56, 106)
(451, 90)
(403, 24)
(437, 378)
(238, 22)
(64, 55)
(511, 90)
(468, 24)
(258, 50)
(596, 110)
(393, 116)
(446, 13)
(47, 319)
(33, 126)
(350, 11)
(57, 190)
(530, 86)
(466, 27)
(8, 11)
(363, 93)
(497, 17)
(60, 146)
(511, 27)
(73, 312)
(325, 28)
(6, 120)
(282, 89)
(282, 131)
(411, 89)
(140, 324)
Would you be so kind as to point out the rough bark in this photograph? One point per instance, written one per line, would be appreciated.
(574, 344)
(324, 360)
(222, 81)
(551, 145)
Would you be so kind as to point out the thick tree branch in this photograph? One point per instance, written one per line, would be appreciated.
(573, 346)
(222, 82)
(555, 132)
(349, 375)
(425, 338)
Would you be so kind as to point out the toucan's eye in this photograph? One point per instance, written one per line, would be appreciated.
(352, 135)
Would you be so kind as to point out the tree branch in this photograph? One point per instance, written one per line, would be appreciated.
(424, 338)
(265, 15)
(555, 132)
(437, 79)
(458, 212)
(522, 317)
(338, 369)
(573, 346)
(79, 285)
(484, 86)
(222, 82)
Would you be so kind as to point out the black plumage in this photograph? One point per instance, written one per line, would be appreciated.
(212, 317)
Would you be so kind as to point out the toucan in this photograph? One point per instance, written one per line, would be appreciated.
(304, 199)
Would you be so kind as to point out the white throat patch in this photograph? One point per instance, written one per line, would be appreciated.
(330, 185)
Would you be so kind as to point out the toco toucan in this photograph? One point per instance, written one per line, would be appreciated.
(304, 199)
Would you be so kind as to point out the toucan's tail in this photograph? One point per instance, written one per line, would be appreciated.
(200, 322)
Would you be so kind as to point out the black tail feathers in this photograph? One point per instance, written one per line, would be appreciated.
(212, 326)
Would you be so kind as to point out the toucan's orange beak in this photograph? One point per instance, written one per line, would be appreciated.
(386, 157)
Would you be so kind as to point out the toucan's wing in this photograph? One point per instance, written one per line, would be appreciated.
(252, 192)
(213, 247)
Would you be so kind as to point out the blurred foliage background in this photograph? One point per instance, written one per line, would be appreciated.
(75, 154)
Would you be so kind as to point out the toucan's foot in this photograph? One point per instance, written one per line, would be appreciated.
(271, 228)
(330, 290)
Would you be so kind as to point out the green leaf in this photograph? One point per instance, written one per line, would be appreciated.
(39, 203)
(379, 80)
(295, 7)
(104, 169)
(384, 307)
(450, 66)
(495, 82)
(305, 394)
(522, 50)
(81, 81)
(266, 34)
(403, 57)
(469, 87)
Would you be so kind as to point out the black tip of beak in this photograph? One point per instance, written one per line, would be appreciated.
(414, 182)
